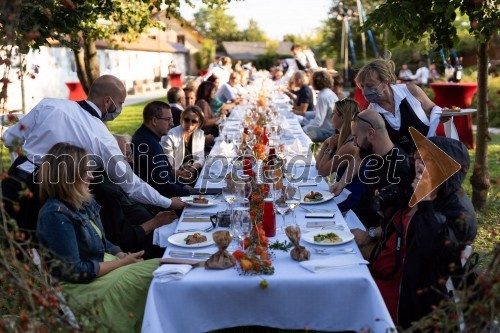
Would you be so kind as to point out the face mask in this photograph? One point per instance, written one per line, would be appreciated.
(111, 116)
(372, 95)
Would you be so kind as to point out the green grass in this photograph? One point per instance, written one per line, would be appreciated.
(130, 119)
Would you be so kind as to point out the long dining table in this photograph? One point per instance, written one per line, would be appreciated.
(344, 298)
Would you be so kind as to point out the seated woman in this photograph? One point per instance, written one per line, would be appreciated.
(216, 104)
(432, 234)
(206, 91)
(339, 150)
(185, 145)
(96, 274)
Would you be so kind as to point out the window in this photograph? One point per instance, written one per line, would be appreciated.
(181, 39)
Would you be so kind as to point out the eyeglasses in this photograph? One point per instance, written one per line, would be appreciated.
(192, 121)
(356, 115)
(167, 119)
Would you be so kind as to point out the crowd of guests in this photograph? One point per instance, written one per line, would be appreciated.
(98, 221)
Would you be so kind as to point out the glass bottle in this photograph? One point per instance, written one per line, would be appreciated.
(269, 218)
(458, 70)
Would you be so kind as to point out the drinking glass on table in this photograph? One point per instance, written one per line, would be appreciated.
(281, 207)
(229, 194)
(241, 220)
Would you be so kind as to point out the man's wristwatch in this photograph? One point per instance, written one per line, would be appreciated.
(372, 232)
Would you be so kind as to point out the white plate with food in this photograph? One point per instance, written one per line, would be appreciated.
(328, 237)
(315, 197)
(457, 112)
(199, 201)
(191, 239)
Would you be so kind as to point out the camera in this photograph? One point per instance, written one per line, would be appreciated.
(387, 197)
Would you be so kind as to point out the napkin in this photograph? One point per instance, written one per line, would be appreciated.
(342, 196)
(353, 221)
(226, 149)
(216, 169)
(339, 261)
(167, 273)
(297, 148)
(161, 234)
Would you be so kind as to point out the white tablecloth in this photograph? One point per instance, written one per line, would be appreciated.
(340, 299)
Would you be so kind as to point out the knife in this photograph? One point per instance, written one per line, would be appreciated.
(189, 254)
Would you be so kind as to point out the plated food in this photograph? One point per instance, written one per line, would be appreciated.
(327, 238)
(195, 238)
(313, 197)
(200, 200)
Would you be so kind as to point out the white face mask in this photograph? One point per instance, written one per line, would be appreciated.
(111, 116)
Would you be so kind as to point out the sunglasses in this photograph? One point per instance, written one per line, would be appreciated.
(356, 115)
(192, 121)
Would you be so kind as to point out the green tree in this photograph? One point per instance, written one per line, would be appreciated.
(79, 24)
(434, 20)
(217, 25)
(253, 33)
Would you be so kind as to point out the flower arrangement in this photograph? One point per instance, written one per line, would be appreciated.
(255, 257)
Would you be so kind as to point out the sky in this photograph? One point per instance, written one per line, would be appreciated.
(275, 17)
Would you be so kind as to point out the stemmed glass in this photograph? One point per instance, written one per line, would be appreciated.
(229, 194)
(292, 204)
(241, 221)
(281, 206)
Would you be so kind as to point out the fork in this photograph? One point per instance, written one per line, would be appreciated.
(212, 227)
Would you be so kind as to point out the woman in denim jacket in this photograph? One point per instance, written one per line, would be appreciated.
(97, 275)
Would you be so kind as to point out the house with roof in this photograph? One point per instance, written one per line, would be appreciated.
(142, 65)
(249, 51)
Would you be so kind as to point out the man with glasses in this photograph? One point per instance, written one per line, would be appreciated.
(150, 162)
(386, 164)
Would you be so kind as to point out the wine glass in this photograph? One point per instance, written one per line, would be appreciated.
(281, 207)
(243, 187)
(241, 220)
(229, 194)
(292, 204)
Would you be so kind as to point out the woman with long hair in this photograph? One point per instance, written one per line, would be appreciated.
(339, 154)
(204, 95)
(185, 145)
(96, 274)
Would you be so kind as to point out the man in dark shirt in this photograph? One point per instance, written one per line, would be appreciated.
(150, 162)
(386, 165)
(177, 100)
(304, 100)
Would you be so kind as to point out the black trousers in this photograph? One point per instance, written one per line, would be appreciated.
(20, 196)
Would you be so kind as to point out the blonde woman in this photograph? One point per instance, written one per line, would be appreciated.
(185, 144)
(96, 274)
(339, 154)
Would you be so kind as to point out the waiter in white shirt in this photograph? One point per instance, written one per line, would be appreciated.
(78, 123)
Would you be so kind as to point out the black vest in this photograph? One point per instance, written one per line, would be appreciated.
(408, 119)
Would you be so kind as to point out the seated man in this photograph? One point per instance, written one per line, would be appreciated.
(177, 101)
(150, 162)
(386, 165)
(127, 223)
(304, 100)
(227, 92)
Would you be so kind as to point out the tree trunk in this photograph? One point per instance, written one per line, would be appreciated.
(480, 179)
(87, 63)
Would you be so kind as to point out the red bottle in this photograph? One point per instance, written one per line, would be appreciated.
(269, 218)
(265, 139)
(247, 167)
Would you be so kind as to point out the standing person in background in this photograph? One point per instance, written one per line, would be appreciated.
(421, 76)
(405, 73)
(96, 274)
(401, 105)
(320, 127)
(177, 101)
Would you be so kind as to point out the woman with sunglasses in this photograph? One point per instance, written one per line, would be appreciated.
(185, 145)
(401, 105)
(96, 275)
(339, 154)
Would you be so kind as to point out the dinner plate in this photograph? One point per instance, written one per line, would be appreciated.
(189, 201)
(462, 112)
(326, 197)
(179, 239)
(344, 234)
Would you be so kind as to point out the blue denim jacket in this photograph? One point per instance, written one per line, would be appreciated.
(71, 238)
